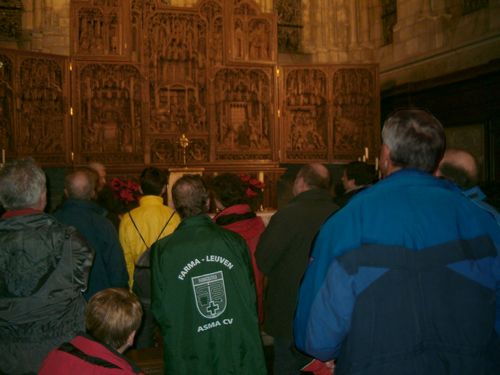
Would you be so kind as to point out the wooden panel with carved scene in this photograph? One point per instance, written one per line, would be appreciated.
(7, 103)
(40, 124)
(243, 114)
(355, 111)
(109, 113)
(101, 28)
(252, 35)
(328, 113)
(176, 45)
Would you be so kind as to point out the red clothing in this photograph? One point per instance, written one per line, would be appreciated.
(238, 219)
(24, 211)
(84, 355)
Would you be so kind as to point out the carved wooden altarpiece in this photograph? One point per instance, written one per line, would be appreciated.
(141, 73)
(34, 104)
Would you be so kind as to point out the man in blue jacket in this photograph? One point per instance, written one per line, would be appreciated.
(82, 212)
(406, 278)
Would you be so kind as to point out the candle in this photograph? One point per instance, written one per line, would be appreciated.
(366, 153)
(376, 164)
(72, 156)
(364, 158)
(261, 176)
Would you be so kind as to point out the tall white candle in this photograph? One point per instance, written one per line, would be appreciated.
(376, 164)
(366, 153)
(261, 176)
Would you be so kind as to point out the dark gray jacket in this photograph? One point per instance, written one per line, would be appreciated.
(44, 267)
(283, 253)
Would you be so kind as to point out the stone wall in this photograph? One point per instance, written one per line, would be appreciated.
(431, 41)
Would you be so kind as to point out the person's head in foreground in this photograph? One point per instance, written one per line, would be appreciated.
(190, 196)
(413, 139)
(113, 316)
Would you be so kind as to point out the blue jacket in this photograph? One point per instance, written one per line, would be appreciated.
(479, 198)
(108, 269)
(404, 280)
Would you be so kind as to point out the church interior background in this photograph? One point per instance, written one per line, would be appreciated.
(259, 87)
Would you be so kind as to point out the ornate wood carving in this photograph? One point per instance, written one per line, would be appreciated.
(211, 12)
(6, 103)
(252, 36)
(389, 19)
(289, 25)
(355, 111)
(11, 12)
(42, 129)
(109, 113)
(101, 27)
(470, 6)
(243, 113)
(306, 114)
(176, 49)
(144, 72)
(330, 112)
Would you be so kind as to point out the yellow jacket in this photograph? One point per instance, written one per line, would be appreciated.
(150, 217)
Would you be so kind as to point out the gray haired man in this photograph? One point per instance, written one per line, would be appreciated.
(44, 266)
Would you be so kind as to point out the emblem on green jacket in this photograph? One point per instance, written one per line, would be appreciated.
(210, 294)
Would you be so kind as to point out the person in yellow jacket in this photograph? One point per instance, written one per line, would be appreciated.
(140, 228)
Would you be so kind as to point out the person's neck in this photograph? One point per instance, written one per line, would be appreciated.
(354, 188)
(391, 169)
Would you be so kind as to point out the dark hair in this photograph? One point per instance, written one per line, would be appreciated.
(415, 139)
(190, 196)
(229, 189)
(315, 176)
(152, 181)
(360, 172)
(112, 315)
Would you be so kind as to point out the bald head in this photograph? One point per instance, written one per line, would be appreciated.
(311, 176)
(460, 167)
(81, 184)
(101, 172)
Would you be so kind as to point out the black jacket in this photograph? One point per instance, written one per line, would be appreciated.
(283, 253)
(109, 269)
(44, 266)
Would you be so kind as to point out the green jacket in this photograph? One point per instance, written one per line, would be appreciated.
(203, 298)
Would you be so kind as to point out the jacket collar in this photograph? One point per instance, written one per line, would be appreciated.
(150, 200)
(312, 194)
(21, 212)
(86, 204)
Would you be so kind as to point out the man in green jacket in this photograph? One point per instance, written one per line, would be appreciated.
(203, 293)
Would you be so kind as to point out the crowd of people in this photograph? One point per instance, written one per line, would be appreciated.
(399, 275)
